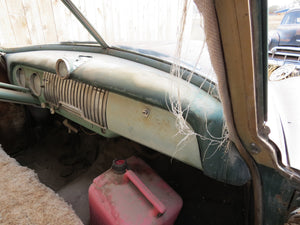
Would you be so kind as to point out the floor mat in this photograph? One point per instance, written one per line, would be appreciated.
(24, 200)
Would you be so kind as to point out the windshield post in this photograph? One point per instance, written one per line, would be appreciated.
(69, 4)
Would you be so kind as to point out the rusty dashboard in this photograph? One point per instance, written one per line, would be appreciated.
(115, 96)
(90, 102)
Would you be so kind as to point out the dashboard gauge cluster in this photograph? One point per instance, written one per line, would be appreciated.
(35, 84)
(28, 78)
(20, 77)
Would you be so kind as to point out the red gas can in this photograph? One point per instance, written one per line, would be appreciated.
(132, 193)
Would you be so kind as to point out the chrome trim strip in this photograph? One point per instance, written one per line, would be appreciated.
(97, 99)
(93, 105)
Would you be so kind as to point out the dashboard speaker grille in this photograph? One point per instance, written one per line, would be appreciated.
(76, 97)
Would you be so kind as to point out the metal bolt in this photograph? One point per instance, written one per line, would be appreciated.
(146, 112)
(52, 111)
(254, 149)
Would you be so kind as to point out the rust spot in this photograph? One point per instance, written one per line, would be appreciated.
(280, 200)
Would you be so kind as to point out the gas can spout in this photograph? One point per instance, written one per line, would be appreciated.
(119, 166)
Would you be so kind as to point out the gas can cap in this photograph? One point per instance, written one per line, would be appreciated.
(119, 166)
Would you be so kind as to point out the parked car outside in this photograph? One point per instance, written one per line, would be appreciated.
(288, 32)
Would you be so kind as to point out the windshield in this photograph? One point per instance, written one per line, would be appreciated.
(147, 27)
(153, 28)
(291, 18)
(26, 23)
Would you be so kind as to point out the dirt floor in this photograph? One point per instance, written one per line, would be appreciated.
(67, 163)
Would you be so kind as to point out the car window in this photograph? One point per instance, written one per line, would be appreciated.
(284, 80)
(291, 18)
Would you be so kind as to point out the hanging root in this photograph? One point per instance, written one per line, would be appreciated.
(180, 112)
(176, 105)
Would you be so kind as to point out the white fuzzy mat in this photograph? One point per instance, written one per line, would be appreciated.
(24, 200)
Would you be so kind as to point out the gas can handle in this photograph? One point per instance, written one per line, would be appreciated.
(157, 204)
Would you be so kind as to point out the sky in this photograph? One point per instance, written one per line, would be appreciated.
(279, 2)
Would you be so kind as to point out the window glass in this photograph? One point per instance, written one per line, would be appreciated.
(149, 27)
(291, 18)
(152, 27)
(31, 22)
(284, 79)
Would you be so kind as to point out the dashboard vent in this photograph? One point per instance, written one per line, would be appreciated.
(78, 98)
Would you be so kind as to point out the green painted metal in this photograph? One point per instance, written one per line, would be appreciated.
(167, 145)
(17, 97)
(13, 87)
(205, 112)
(157, 129)
(28, 72)
(260, 34)
(131, 79)
(41, 99)
(277, 196)
(219, 161)
(205, 117)
(196, 79)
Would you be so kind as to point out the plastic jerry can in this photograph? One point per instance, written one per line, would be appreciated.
(132, 193)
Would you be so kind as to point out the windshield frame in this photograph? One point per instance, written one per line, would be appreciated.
(88, 26)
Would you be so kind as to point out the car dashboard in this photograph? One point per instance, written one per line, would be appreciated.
(88, 101)
(113, 96)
